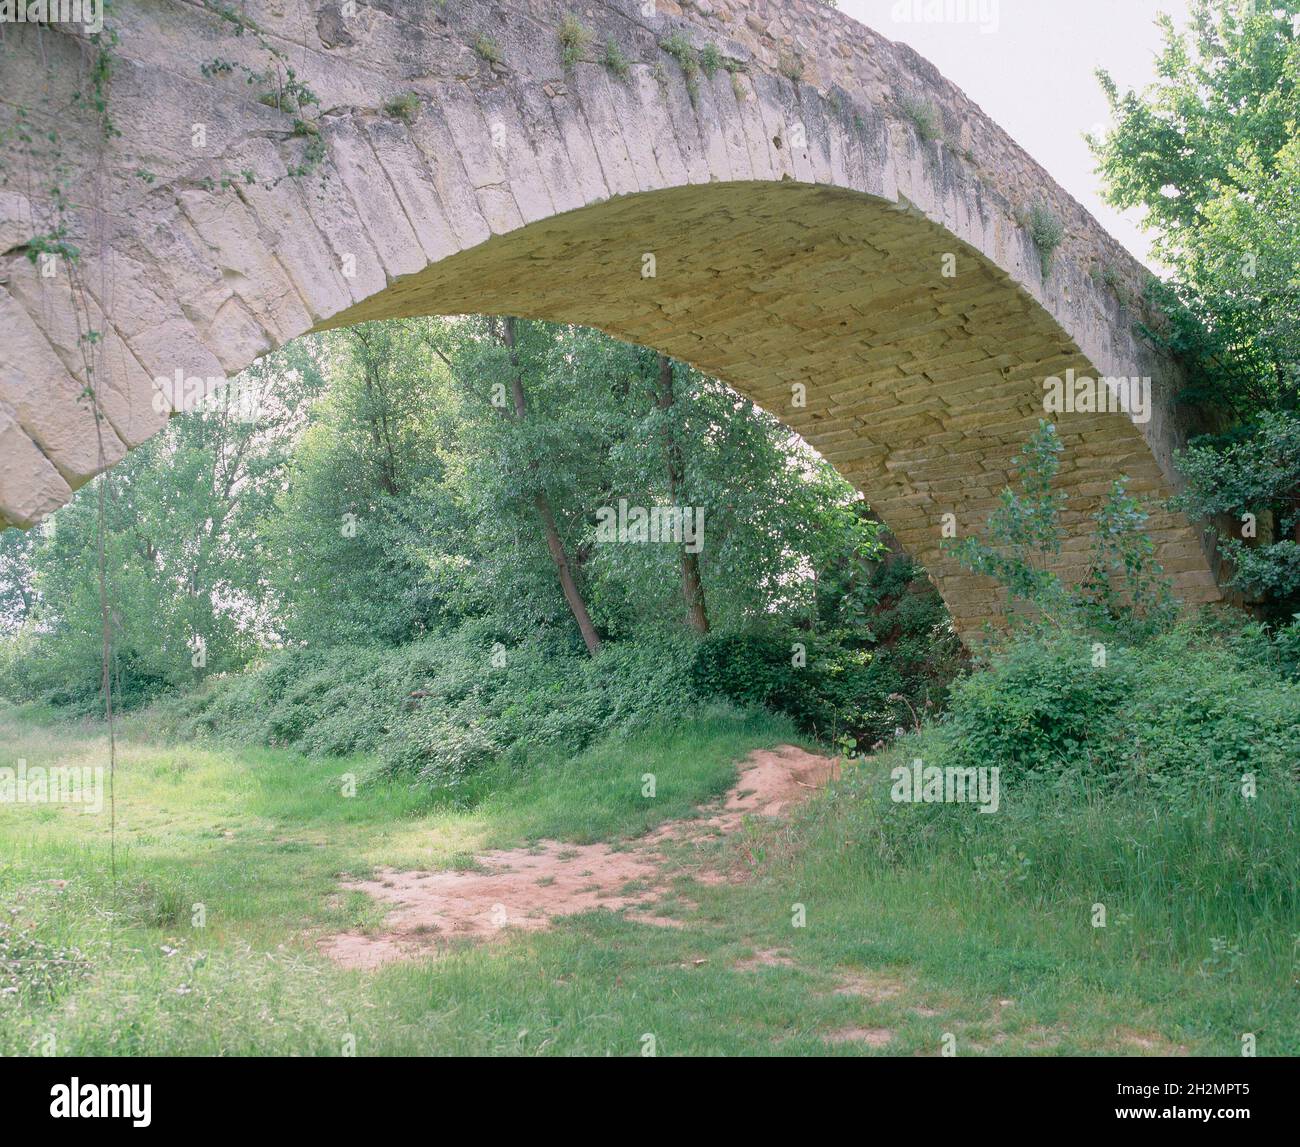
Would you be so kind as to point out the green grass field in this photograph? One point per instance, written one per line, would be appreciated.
(918, 929)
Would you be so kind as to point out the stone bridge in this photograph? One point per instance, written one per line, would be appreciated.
(770, 191)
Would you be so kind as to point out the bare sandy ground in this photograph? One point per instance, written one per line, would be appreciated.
(528, 888)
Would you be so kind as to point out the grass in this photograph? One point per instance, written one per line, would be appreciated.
(615, 61)
(574, 38)
(488, 49)
(403, 107)
(1047, 232)
(918, 922)
(924, 116)
(598, 794)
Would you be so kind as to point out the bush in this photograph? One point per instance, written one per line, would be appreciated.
(1184, 708)
(439, 709)
(859, 683)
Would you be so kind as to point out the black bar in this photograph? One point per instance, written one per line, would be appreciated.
(339, 1096)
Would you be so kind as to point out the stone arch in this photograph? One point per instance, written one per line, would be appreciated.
(821, 207)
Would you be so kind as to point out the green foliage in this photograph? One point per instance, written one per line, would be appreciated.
(1047, 232)
(391, 497)
(1253, 479)
(710, 59)
(1124, 582)
(679, 46)
(449, 708)
(854, 686)
(440, 710)
(366, 496)
(53, 242)
(1025, 528)
(183, 558)
(1124, 588)
(403, 107)
(1179, 711)
(281, 88)
(924, 116)
(615, 61)
(488, 49)
(1224, 100)
(1286, 646)
(1211, 153)
(574, 38)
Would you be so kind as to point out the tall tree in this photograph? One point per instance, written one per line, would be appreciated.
(692, 586)
(184, 557)
(1211, 153)
(554, 543)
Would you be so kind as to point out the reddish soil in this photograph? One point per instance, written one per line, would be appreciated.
(527, 888)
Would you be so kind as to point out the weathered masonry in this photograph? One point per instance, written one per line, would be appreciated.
(769, 191)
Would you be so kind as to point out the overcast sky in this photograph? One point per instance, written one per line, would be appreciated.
(1032, 72)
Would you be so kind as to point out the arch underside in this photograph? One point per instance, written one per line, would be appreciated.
(798, 217)
(917, 387)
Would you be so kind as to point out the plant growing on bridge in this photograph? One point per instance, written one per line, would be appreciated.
(615, 61)
(683, 51)
(403, 107)
(574, 38)
(488, 49)
(283, 90)
(53, 242)
(1047, 231)
(924, 116)
(734, 68)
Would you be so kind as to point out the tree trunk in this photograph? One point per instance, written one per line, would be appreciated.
(554, 544)
(692, 587)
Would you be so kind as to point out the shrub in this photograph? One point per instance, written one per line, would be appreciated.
(924, 115)
(615, 60)
(1181, 709)
(857, 684)
(574, 38)
(403, 107)
(1047, 232)
(439, 709)
(1124, 588)
(488, 49)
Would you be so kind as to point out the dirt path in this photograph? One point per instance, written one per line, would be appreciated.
(529, 887)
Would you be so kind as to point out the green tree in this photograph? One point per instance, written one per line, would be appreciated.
(1211, 153)
(366, 540)
(183, 553)
(1124, 588)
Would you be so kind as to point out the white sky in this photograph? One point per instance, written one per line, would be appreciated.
(1032, 73)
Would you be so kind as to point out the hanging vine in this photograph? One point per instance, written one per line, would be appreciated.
(50, 248)
(279, 86)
